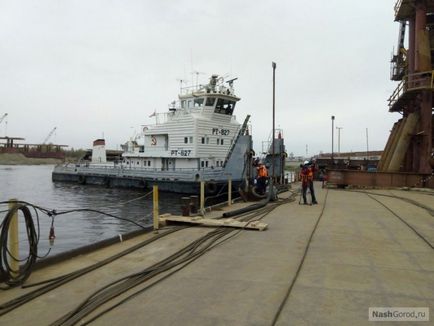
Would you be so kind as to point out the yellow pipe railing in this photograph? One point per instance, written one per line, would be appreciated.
(411, 82)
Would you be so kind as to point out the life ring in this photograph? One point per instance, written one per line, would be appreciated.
(81, 179)
(211, 187)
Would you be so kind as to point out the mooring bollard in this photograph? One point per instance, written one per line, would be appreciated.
(155, 208)
(229, 191)
(194, 203)
(185, 207)
(13, 240)
(202, 197)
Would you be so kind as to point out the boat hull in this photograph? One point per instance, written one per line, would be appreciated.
(212, 187)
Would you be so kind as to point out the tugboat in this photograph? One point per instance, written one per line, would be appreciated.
(198, 139)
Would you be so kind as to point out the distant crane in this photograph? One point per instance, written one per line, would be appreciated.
(3, 117)
(49, 135)
(6, 122)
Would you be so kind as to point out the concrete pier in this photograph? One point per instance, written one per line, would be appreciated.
(361, 255)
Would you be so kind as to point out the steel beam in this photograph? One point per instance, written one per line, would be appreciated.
(380, 179)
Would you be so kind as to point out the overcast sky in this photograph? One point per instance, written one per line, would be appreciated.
(102, 67)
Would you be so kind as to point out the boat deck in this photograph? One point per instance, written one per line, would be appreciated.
(314, 265)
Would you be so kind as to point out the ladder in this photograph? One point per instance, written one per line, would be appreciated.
(240, 133)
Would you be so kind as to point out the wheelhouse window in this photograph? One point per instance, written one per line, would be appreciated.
(198, 102)
(210, 101)
(224, 106)
(185, 140)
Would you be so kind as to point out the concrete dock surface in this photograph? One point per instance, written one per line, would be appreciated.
(362, 254)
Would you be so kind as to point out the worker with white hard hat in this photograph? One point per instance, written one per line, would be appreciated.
(306, 176)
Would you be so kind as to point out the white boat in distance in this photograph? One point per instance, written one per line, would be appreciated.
(198, 139)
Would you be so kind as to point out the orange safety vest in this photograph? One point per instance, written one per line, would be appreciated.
(306, 174)
(262, 171)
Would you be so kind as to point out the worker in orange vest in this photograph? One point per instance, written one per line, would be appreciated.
(262, 176)
(306, 176)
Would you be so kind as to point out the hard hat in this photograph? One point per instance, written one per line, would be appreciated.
(306, 162)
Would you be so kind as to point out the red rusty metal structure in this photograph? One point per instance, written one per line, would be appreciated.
(10, 145)
(409, 148)
(407, 159)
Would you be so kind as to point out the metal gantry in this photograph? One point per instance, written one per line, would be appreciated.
(409, 148)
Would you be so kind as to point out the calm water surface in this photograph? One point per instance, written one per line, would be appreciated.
(33, 184)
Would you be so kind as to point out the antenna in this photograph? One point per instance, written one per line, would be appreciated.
(181, 81)
(197, 76)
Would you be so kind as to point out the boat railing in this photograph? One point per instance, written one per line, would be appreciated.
(218, 88)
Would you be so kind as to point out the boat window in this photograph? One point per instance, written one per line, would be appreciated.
(203, 140)
(221, 143)
(198, 102)
(191, 140)
(149, 163)
(225, 106)
(183, 104)
(210, 101)
(185, 140)
(206, 163)
(218, 141)
(202, 164)
(207, 140)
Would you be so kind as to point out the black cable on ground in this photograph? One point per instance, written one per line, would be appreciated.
(288, 292)
(403, 220)
(13, 277)
(408, 200)
(184, 256)
(60, 280)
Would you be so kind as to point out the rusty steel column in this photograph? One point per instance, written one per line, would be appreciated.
(411, 45)
(410, 158)
(422, 50)
(425, 132)
(423, 63)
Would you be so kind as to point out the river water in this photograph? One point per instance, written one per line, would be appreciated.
(33, 184)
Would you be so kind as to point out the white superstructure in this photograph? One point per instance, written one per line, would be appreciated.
(198, 139)
(197, 132)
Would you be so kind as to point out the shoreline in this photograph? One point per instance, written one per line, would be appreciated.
(20, 159)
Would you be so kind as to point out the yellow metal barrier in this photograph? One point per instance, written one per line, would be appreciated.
(13, 240)
(156, 213)
(229, 191)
